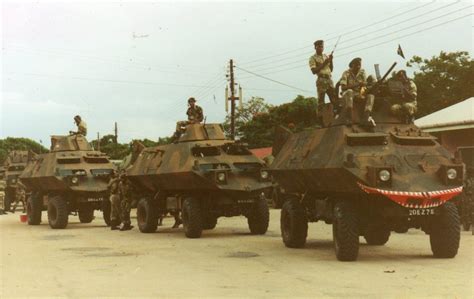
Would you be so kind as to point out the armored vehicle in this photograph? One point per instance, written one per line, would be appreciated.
(71, 178)
(14, 166)
(203, 176)
(367, 181)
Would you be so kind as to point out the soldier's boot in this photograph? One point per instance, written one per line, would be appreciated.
(114, 225)
(160, 221)
(126, 226)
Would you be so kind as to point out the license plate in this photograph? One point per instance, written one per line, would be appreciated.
(92, 199)
(421, 212)
(245, 201)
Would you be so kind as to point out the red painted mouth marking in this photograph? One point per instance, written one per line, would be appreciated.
(429, 199)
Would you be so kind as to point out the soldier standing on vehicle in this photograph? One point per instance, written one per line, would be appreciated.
(195, 116)
(322, 66)
(408, 106)
(115, 212)
(125, 202)
(20, 196)
(354, 84)
(81, 126)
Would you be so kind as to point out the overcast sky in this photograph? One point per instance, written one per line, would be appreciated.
(137, 63)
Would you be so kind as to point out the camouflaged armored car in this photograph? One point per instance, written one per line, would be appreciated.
(203, 176)
(13, 167)
(71, 178)
(367, 181)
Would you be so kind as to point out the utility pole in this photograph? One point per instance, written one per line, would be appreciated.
(232, 101)
(98, 141)
(116, 133)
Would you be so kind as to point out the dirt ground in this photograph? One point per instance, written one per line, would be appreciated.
(88, 260)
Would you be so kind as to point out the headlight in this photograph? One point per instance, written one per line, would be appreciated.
(384, 175)
(221, 177)
(74, 180)
(264, 174)
(451, 173)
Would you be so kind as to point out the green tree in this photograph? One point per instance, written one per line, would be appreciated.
(443, 80)
(10, 143)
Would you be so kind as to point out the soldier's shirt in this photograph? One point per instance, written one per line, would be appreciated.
(82, 128)
(195, 114)
(348, 78)
(318, 60)
(411, 89)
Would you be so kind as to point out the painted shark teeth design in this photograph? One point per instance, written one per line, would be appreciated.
(428, 199)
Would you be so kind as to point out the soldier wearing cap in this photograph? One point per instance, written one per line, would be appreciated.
(353, 83)
(322, 66)
(115, 205)
(81, 126)
(194, 113)
(408, 97)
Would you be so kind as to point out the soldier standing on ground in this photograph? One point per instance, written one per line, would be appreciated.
(81, 126)
(125, 202)
(322, 66)
(353, 82)
(20, 196)
(408, 106)
(114, 202)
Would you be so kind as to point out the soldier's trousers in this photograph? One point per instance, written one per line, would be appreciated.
(348, 98)
(408, 108)
(115, 209)
(324, 86)
(125, 205)
(15, 204)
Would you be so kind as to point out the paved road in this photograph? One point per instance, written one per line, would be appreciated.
(90, 260)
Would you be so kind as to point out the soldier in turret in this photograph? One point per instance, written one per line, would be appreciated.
(408, 93)
(81, 126)
(195, 116)
(353, 84)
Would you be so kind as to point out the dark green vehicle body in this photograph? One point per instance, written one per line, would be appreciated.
(71, 178)
(367, 181)
(202, 175)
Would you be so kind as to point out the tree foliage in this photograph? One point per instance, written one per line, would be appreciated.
(10, 143)
(443, 80)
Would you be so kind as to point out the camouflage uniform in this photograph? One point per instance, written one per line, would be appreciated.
(195, 116)
(409, 94)
(125, 201)
(115, 211)
(20, 196)
(324, 82)
(349, 79)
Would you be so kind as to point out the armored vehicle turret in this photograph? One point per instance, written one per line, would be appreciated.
(367, 181)
(71, 178)
(13, 167)
(203, 176)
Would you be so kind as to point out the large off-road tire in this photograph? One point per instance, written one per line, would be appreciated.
(192, 218)
(345, 231)
(209, 222)
(293, 224)
(57, 212)
(106, 211)
(277, 199)
(86, 214)
(147, 216)
(376, 235)
(445, 232)
(34, 206)
(259, 216)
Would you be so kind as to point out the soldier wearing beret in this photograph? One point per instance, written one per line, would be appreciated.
(353, 83)
(322, 66)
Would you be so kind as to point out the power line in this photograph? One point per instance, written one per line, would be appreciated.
(378, 44)
(375, 38)
(105, 80)
(344, 33)
(272, 80)
(364, 35)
